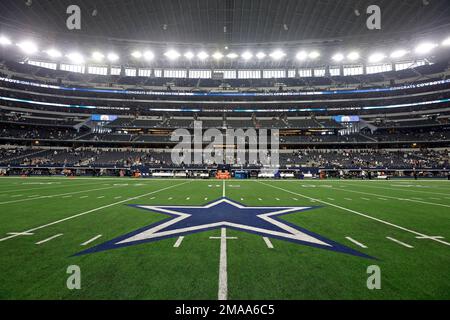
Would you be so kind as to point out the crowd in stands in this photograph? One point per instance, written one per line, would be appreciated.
(39, 133)
(114, 157)
(370, 158)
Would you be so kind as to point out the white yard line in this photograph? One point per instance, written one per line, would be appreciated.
(91, 240)
(95, 209)
(178, 242)
(357, 213)
(401, 243)
(396, 198)
(396, 189)
(223, 189)
(433, 237)
(54, 195)
(20, 233)
(50, 187)
(223, 274)
(356, 242)
(48, 239)
(268, 242)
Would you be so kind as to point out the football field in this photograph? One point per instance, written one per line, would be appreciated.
(234, 239)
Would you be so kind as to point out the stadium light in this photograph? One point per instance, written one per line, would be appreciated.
(247, 55)
(260, 55)
(4, 41)
(136, 54)
(217, 55)
(189, 55)
(314, 55)
(232, 55)
(425, 48)
(28, 47)
(53, 53)
(353, 56)
(112, 57)
(277, 55)
(399, 54)
(202, 55)
(149, 55)
(172, 54)
(377, 57)
(97, 56)
(446, 42)
(302, 55)
(76, 57)
(338, 57)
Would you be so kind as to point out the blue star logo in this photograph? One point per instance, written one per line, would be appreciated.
(223, 213)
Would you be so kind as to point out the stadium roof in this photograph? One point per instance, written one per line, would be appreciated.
(226, 22)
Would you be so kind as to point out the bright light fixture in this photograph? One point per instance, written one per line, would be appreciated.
(149, 55)
(277, 55)
(399, 54)
(338, 57)
(172, 54)
(425, 47)
(76, 57)
(302, 55)
(4, 41)
(232, 55)
(260, 55)
(377, 57)
(28, 47)
(189, 55)
(113, 57)
(217, 55)
(136, 54)
(314, 55)
(353, 56)
(446, 42)
(202, 55)
(97, 56)
(247, 55)
(53, 53)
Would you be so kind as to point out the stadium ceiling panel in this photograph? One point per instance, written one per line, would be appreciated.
(226, 21)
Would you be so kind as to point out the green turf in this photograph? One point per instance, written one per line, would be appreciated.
(157, 270)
